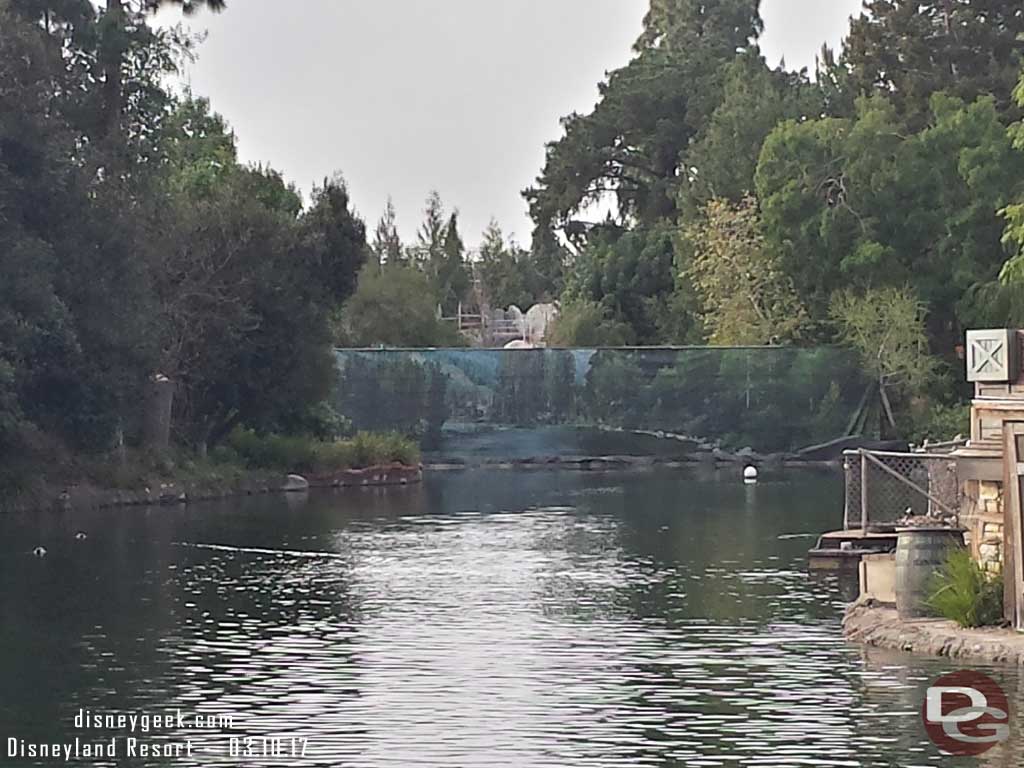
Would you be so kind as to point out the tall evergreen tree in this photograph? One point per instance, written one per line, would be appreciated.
(387, 244)
(910, 49)
(451, 276)
(430, 238)
(629, 146)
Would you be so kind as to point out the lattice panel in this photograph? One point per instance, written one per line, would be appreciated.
(891, 496)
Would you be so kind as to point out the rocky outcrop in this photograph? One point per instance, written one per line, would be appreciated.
(878, 625)
(295, 484)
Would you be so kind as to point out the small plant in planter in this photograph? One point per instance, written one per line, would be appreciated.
(964, 593)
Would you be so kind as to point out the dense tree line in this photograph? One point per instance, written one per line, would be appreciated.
(711, 197)
(133, 244)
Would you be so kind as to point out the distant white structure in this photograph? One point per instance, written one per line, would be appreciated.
(514, 316)
(538, 320)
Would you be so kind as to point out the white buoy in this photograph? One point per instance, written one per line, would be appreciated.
(39, 552)
(750, 475)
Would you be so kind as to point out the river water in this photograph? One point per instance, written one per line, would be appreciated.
(487, 618)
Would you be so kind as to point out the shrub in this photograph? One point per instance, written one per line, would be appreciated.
(940, 422)
(274, 451)
(401, 450)
(306, 454)
(962, 592)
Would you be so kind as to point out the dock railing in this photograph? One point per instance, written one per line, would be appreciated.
(883, 487)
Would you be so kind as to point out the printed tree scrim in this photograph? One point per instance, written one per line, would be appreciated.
(769, 399)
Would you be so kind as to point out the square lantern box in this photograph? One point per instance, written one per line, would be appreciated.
(993, 356)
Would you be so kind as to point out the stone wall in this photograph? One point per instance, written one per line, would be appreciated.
(982, 516)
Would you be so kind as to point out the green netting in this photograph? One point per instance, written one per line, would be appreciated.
(766, 398)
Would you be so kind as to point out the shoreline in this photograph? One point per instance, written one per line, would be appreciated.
(254, 483)
(877, 625)
(620, 462)
(163, 492)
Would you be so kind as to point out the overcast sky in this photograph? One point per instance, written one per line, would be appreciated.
(405, 96)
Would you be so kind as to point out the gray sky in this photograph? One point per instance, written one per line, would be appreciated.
(405, 96)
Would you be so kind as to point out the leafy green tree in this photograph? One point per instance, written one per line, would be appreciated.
(886, 328)
(630, 274)
(586, 324)
(1012, 273)
(747, 298)
(246, 285)
(197, 148)
(394, 307)
(864, 202)
(66, 246)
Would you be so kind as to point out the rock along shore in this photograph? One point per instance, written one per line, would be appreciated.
(878, 625)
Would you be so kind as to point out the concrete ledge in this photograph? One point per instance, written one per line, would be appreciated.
(877, 625)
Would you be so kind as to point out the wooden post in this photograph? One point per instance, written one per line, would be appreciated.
(1013, 529)
(863, 491)
(159, 406)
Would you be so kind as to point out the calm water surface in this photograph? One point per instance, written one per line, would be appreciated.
(488, 618)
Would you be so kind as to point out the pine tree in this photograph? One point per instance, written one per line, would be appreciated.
(451, 277)
(649, 113)
(910, 49)
(430, 239)
(387, 244)
(727, 24)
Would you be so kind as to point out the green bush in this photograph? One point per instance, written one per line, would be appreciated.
(938, 423)
(306, 454)
(962, 592)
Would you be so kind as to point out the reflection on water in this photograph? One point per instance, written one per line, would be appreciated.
(487, 618)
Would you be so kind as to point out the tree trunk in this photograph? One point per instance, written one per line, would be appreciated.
(886, 409)
(113, 54)
(221, 429)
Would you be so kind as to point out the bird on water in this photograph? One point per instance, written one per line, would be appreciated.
(39, 552)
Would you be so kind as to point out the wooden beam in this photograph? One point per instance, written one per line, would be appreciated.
(1013, 530)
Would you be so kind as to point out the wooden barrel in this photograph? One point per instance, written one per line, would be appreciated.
(920, 552)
